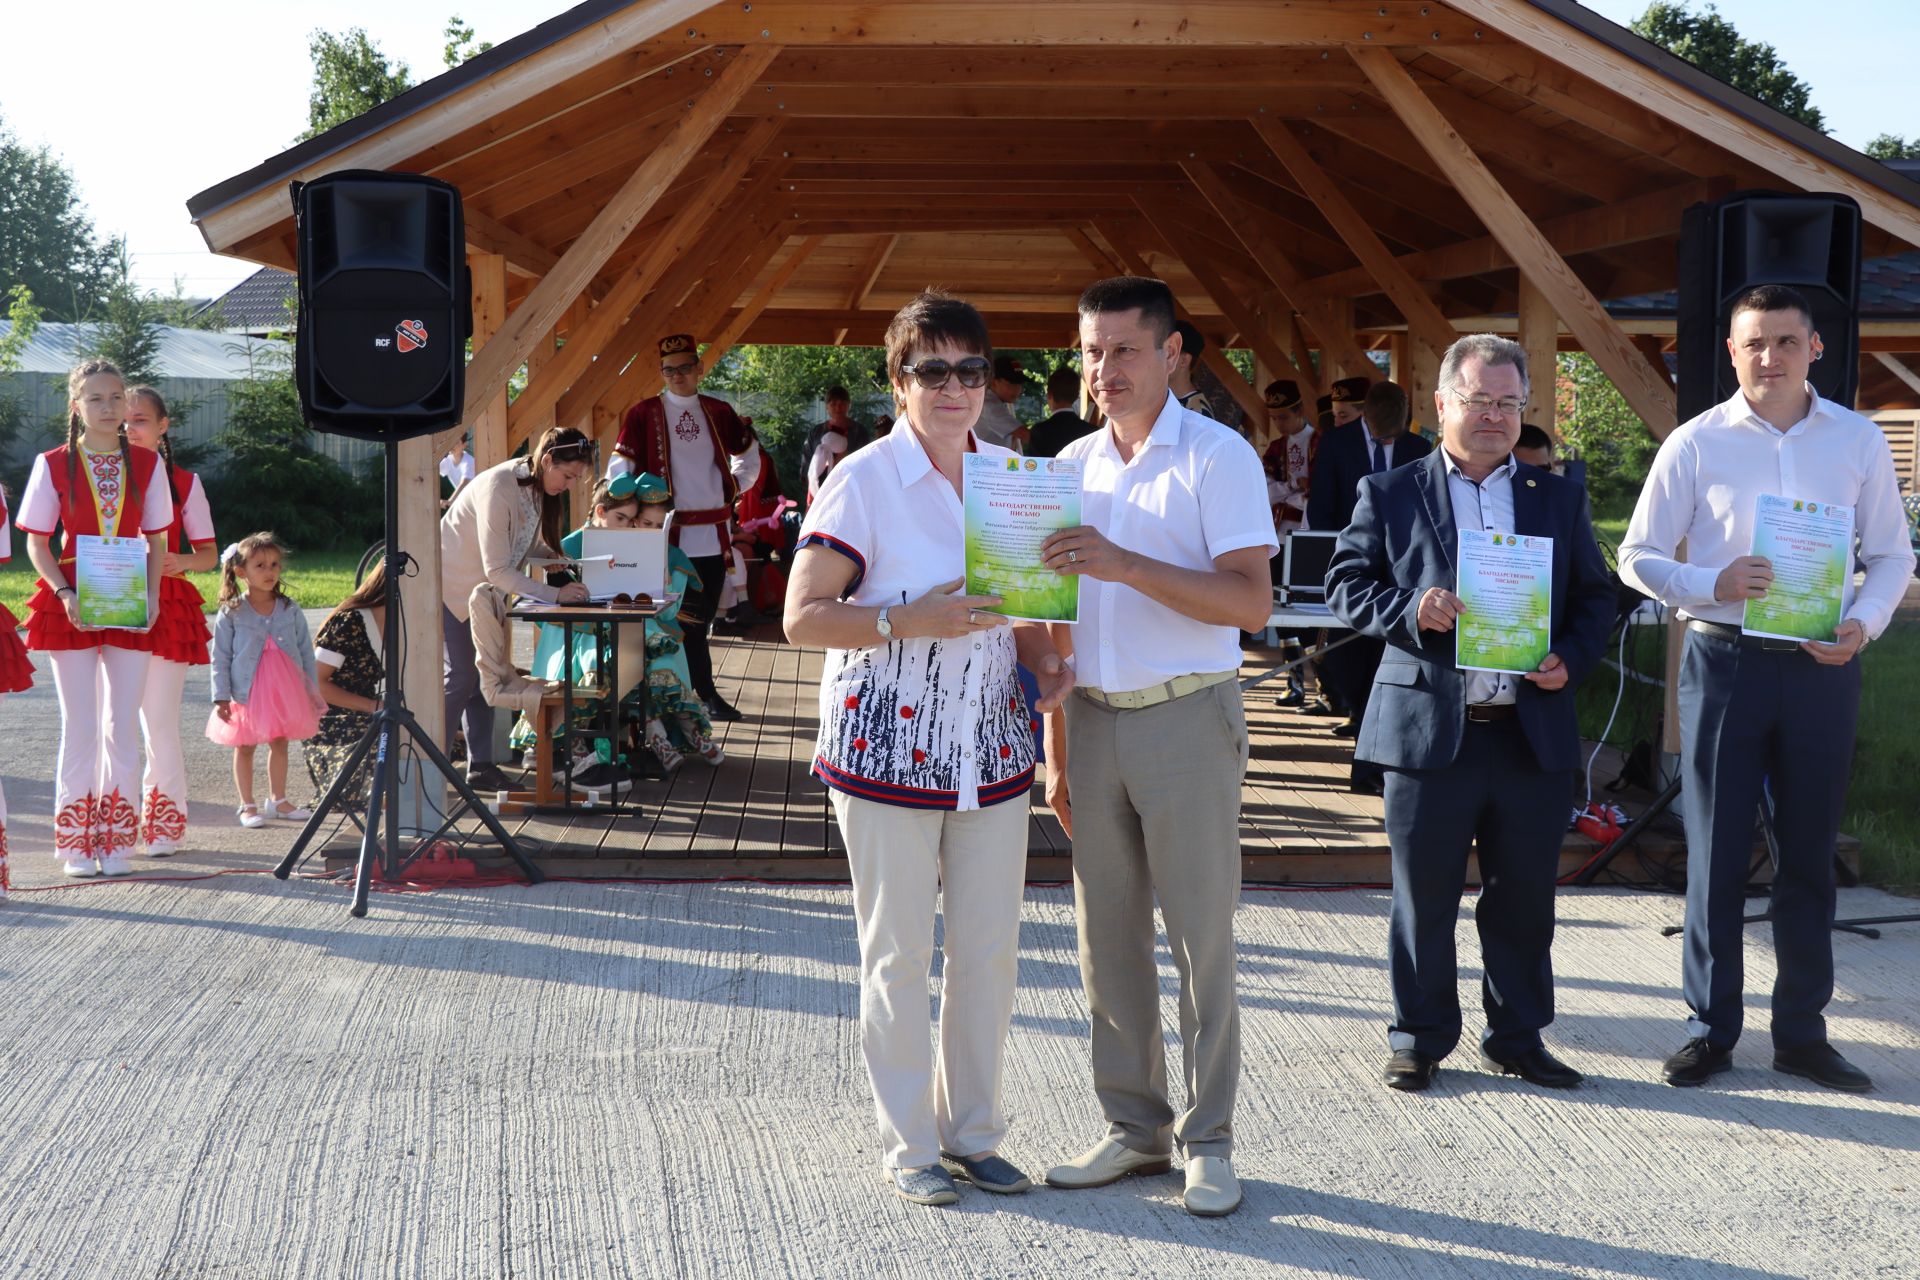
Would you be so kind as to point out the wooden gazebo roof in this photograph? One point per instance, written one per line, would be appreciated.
(1310, 175)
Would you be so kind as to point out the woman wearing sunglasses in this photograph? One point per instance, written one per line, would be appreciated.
(506, 514)
(926, 742)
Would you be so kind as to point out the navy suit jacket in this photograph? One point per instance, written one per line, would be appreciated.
(1343, 461)
(1401, 541)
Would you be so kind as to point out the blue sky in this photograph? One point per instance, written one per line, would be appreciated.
(150, 102)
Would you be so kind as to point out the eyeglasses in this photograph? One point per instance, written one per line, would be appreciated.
(675, 370)
(933, 374)
(1505, 406)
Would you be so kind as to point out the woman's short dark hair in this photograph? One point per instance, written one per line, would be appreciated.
(1125, 293)
(934, 317)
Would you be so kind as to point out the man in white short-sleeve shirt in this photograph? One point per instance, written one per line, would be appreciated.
(1145, 772)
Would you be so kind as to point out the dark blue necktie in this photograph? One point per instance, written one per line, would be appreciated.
(1379, 456)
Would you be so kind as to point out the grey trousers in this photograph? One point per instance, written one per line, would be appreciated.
(1156, 815)
(466, 709)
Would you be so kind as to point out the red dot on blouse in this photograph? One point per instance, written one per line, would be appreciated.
(906, 713)
(1034, 725)
(859, 744)
(853, 704)
(1005, 752)
(919, 756)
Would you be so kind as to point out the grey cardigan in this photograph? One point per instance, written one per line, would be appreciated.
(239, 637)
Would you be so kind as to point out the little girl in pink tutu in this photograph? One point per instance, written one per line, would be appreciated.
(264, 684)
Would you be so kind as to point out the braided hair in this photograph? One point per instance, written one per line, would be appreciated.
(164, 445)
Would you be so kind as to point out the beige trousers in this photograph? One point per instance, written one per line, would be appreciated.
(975, 864)
(1156, 816)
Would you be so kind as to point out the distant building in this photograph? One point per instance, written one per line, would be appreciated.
(260, 305)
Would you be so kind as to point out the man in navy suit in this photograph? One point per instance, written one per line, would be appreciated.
(1473, 758)
(1377, 441)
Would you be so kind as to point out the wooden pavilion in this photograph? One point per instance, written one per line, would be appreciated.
(1315, 178)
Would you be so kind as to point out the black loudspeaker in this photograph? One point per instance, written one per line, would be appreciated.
(385, 304)
(1808, 241)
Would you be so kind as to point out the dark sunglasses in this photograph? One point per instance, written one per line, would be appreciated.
(672, 369)
(933, 374)
(575, 451)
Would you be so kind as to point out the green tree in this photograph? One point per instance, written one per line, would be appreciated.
(350, 76)
(1712, 43)
(1893, 146)
(126, 330)
(1612, 439)
(460, 44)
(23, 321)
(47, 241)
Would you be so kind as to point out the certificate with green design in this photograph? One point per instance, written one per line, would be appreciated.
(1012, 506)
(1810, 545)
(1506, 586)
(110, 578)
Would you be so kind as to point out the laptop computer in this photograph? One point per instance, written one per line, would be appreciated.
(1303, 570)
(629, 562)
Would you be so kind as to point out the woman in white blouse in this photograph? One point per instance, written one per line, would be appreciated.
(506, 514)
(926, 742)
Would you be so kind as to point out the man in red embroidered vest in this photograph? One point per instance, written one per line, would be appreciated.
(706, 455)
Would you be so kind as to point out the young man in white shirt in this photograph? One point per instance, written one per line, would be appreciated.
(1192, 343)
(1145, 772)
(1764, 719)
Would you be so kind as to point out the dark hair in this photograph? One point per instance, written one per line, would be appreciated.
(602, 499)
(370, 594)
(1151, 297)
(838, 392)
(553, 506)
(165, 446)
(1774, 297)
(933, 317)
(1386, 407)
(76, 382)
(1063, 383)
(1192, 341)
(231, 592)
(1532, 437)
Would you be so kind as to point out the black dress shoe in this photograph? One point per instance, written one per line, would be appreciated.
(1318, 709)
(1694, 1062)
(1410, 1070)
(1347, 729)
(1367, 787)
(1821, 1063)
(487, 777)
(1535, 1066)
(1291, 698)
(718, 708)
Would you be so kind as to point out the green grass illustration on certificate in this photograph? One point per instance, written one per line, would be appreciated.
(1506, 584)
(110, 579)
(1012, 506)
(1810, 546)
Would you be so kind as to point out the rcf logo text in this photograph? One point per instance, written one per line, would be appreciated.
(409, 335)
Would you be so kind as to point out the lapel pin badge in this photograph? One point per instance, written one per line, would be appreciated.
(1531, 482)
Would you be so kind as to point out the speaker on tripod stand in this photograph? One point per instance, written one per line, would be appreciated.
(380, 354)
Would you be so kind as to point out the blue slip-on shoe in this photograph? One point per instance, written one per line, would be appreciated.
(989, 1173)
(931, 1185)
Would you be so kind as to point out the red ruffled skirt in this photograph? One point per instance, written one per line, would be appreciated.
(181, 634)
(49, 629)
(16, 668)
(281, 704)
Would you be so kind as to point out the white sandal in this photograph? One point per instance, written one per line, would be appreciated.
(298, 814)
(250, 816)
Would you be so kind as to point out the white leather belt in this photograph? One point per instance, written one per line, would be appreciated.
(1153, 695)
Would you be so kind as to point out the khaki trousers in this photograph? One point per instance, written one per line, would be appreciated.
(975, 864)
(1156, 815)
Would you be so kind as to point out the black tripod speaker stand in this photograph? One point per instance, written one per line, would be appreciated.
(394, 726)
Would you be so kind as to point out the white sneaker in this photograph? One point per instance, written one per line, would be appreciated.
(287, 811)
(116, 864)
(80, 868)
(250, 816)
(162, 848)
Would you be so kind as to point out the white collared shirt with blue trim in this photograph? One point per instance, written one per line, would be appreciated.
(922, 723)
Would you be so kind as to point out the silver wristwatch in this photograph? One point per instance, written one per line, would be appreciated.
(882, 625)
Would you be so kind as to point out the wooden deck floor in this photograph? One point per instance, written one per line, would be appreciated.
(760, 815)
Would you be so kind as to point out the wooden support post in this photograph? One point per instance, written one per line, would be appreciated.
(612, 225)
(1540, 337)
(488, 423)
(1398, 367)
(423, 672)
(1650, 398)
(1425, 321)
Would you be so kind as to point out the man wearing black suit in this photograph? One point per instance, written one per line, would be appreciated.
(1473, 758)
(1375, 442)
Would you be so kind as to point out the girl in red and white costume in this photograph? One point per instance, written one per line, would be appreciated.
(180, 636)
(96, 484)
(16, 671)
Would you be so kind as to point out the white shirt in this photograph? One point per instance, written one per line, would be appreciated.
(1193, 491)
(196, 517)
(1484, 507)
(1707, 476)
(1384, 446)
(826, 454)
(456, 472)
(697, 485)
(923, 723)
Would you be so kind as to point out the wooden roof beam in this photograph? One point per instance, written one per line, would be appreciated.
(1424, 318)
(864, 280)
(1582, 313)
(960, 100)
(490, 235)
(1147, 68)
(743, 319)
(492, 363)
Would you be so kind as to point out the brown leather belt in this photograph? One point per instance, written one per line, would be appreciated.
(1488, 712)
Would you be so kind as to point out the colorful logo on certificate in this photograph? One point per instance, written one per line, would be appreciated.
(1032, 465)
(1013, 464)
(1512, 541)
(1799, 506)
